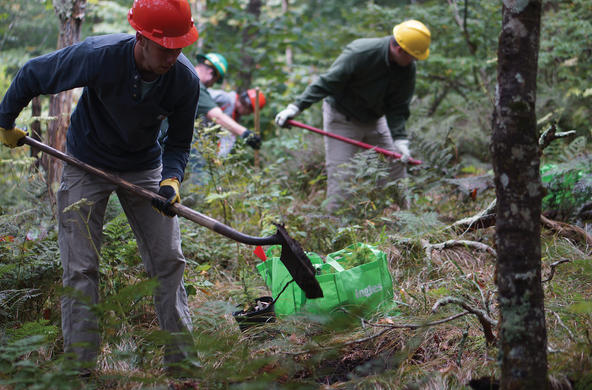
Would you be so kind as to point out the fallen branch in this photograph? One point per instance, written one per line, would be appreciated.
(487, 217)
(316, 350)
(429, 248)
(487, 323)
(417, 326)
(553, 267)
(483, 219)
(387, 326)
(567, 230)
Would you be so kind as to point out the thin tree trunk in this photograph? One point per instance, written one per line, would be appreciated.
(36, 127)
(289, 60)
(70, 14)
(245, 73)
(198, 9)
(515, 150)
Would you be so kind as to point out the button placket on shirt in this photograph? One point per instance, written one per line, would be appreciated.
(136, 87)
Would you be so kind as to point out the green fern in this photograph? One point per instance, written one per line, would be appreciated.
(568, 184)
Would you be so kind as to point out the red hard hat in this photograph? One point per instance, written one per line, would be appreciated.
(253, 97)
(166, 22)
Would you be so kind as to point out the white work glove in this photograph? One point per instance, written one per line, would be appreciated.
(402, 146)
(288, 113)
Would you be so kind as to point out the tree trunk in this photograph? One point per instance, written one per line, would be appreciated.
(198, 9)
(245, 73)
(516, 160)
(71, 14)
(36, 127)
(285, 10)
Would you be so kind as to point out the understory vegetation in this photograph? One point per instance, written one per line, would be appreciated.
(443, 331)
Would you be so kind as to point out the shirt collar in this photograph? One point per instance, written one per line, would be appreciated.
(386, 53)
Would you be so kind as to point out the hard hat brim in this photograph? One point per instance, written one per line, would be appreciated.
(169, 42)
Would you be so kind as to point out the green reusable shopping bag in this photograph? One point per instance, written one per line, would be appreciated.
(354, 277)
(280, 282)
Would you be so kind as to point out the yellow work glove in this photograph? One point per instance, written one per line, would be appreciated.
(169, 189)
(10, 138)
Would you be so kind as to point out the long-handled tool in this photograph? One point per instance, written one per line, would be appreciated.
(292, 255)
(364, 145)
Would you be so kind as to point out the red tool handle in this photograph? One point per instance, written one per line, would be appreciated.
(364, 145)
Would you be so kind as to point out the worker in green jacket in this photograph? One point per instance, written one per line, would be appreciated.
(366, 95)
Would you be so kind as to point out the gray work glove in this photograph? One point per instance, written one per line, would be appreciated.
(402, 146)
(288, 113)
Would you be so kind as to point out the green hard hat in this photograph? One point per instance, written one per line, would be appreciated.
(218, 61)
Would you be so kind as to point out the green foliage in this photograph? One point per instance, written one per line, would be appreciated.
(28, 329)
(24, 366)
(29, 258)
(564, 57)
(568, 184)
(357, 256)
(27, 29)
(106, 17)
(370, 171)
(584, 383)
(449, 129)
(411, 224)
(119, 251)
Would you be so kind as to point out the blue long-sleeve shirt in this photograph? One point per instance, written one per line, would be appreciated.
(113, 126)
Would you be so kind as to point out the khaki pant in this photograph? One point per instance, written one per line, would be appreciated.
(80, 231)
(338, 153)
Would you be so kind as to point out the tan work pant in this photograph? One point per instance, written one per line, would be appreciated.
(80, 236)
(338, 153)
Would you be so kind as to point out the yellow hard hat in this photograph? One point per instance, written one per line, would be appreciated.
(414, 37)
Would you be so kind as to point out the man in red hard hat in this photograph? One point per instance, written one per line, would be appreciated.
(235, 105)
(131, 83)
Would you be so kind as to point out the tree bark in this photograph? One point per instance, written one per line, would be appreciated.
(198, 9)
(516, 161)
(36, 127)
(285, 10)
(70, 14)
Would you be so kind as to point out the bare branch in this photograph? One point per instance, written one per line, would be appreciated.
(429, 248)
(362, 340)
(483, 219)
(553, 267)
(487, 218)
(487, 323)
(567, 230)
(562, 324)
(463, 25)
(471, 244)
(421, 325)
(551, 135)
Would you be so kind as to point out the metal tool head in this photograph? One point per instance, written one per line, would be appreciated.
(298, 264)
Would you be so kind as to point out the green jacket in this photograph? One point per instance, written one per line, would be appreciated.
(206, 101)
(364, 85)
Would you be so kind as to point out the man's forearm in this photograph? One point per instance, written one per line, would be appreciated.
(218, 116)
